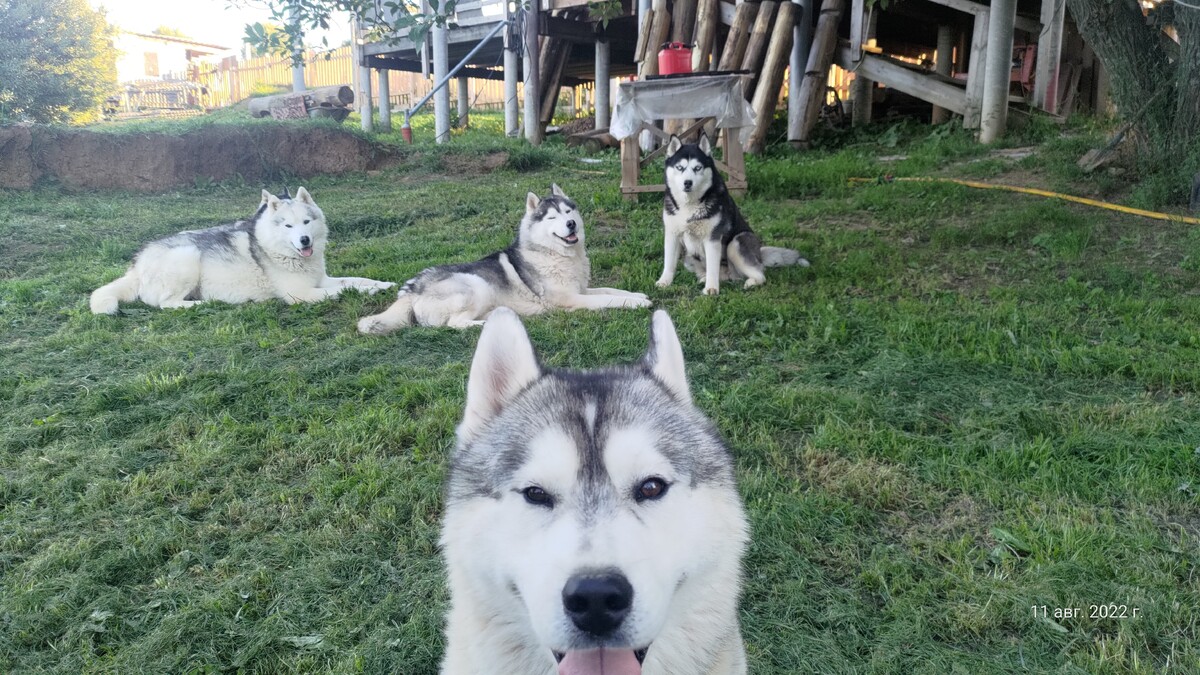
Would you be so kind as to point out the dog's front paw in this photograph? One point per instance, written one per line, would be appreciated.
(751, 283)
(711, 290)
(379, 286)
(663, 282)
(637, 302)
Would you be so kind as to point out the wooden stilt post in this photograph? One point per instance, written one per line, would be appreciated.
(441, 99)
(363, 95)
(862, 89)
(998, 70)
(534, 133)
(684, 21)
(464, 102)
(385, 101)
(603, 106)
(943, 66)
(512, 109)
(758, 40)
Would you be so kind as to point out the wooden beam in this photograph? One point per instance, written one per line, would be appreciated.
(759, 36)
(1049, 55)
(411, 66)
(812, 89)
(1022, 23)
(911, 82)
(739, 35)
(998, 70)
(974, 107)
(766, 95)
(706, 34)
(684, 21)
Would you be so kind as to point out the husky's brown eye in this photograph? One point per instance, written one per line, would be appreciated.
(651, 488)
(538, 496)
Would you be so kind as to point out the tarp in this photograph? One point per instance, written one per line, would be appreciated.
(719, 96)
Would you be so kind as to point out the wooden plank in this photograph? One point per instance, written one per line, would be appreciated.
(739, 35)
(630, 167)
(706, 33)
(683, 23)
(766, 95)
(1022, 23)
(639, 52)
(1049, 55)
(728, 10)
(974, 108)
(758, 36)
(924, 87)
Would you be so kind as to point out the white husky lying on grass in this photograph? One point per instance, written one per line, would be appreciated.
(545, 268)
(278, 253)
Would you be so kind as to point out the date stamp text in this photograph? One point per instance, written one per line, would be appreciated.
(1102, 611)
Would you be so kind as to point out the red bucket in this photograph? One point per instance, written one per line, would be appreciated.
(674, 57)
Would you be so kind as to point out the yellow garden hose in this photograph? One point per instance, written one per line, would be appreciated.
(1034, 191)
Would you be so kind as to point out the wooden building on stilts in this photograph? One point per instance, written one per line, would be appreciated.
(963, 60)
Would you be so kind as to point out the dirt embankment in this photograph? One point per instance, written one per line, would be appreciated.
(151, 162)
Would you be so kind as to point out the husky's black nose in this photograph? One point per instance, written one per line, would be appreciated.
(571, 226)
(305, 240)
(687, 186)
(598, 602)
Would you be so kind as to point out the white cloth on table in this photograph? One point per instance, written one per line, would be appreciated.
(720, 96)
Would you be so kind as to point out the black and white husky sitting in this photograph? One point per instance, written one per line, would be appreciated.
(700, 216)
(545, 268)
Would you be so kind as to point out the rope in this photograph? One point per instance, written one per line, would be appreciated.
(1040, 193)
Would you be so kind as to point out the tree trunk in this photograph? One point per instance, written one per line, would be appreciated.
(1133, 54)
(1187, 79)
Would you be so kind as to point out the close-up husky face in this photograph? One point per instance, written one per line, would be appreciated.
(689, 168)
(553, 222)
(295, 225)
(594, 509)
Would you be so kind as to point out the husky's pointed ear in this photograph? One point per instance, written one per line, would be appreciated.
(673, 145)
(286, 194)
(266, 197)
(665, 357)
(303, 197)
(705, 145)
(271, 200)
(557, 191)
(504, 364)
(531, 202)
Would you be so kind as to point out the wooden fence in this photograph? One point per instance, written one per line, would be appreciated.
(235, 79)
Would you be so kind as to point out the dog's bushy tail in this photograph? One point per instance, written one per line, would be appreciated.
(774, 256)
(108, 297)
(399, 315)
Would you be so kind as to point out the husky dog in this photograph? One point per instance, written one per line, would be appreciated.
(592, 523)
(699, 214)
(278, 253)
(546, 267)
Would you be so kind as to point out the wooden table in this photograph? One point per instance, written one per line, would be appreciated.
(688, 99)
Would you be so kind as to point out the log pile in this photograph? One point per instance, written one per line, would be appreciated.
(750, 36)
(334, 101)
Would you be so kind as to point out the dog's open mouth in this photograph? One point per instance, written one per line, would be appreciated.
(570, 238)
(601, 662)
(306, 252)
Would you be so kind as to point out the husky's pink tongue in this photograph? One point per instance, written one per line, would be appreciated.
(600, 662)
(306, 251)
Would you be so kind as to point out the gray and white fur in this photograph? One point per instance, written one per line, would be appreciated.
(546, 267)
(592, 522)
(278, 253)
(700, 216)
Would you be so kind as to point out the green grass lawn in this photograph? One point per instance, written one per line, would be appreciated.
(973, 404)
